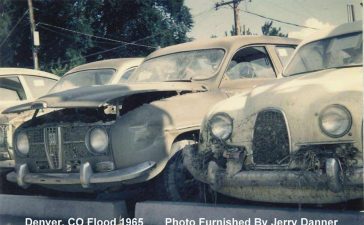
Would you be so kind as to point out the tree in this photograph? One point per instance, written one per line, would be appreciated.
(243, 31)
(269, 30)
(146, 24)
(9, 17)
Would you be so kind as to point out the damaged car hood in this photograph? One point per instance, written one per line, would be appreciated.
(97, 96)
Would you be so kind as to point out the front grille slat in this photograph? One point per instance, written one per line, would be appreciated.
(270, 140)
(53, 146)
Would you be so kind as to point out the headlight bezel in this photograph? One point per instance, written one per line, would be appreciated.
(88, 140)
(21, 152)
(225, 116)
(344, 110)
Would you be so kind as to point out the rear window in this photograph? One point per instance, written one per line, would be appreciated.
(39, 86)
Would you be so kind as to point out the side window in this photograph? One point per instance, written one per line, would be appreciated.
(284, 53)
(124, 77)
(11, 89)
(250, 62)
(39, 86)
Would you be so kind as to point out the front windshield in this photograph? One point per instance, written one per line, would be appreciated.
(84, 78)
(335, 52)
(179, 66)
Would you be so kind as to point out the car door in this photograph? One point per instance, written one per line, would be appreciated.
(251, 66)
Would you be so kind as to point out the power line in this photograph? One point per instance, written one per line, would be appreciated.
(72, 37)
(95, 53)
(234, 4)
(284, 9)
(94, 36)
(202, 12)
(279, 21)
(12, 30)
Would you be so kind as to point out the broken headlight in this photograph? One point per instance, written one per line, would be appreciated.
(97, 140)
(335, 121)
(22, 143)
(221, 126)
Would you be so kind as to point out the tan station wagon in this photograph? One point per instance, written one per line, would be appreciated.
(104, 138)
(294, 140)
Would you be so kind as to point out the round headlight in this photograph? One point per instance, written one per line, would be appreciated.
(335, 121)
(98, 140)
(221, 126)
(22, 143)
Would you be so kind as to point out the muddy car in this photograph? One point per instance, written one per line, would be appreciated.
(18, 86)
(105, 138)
(103, 72)
(111, 71)
(294, 140)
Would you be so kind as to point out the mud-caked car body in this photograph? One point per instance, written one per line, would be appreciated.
(17, 86)
(296, 139)
(109, 136)
(26, 85)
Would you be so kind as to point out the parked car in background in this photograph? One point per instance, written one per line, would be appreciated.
(294, 140)
(109, 71)
(24, 85)
(17, 86)
(105, 138)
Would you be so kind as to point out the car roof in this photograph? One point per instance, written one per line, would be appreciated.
(342, 29)
(24, 71)
(107, 64)
(224, 43)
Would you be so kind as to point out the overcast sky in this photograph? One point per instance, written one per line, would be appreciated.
(313, 13)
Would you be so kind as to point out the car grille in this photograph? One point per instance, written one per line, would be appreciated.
(270, 140)
(53, 146)
(59, 148)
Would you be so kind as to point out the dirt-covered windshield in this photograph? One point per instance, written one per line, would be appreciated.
(336, 52)
(179, 66)
(84, 78)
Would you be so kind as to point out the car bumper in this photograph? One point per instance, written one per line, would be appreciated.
(86, 177)
(284, 186)
(7, 164)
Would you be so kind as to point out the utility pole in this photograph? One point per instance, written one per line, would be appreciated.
(351, 13)
(34, 33)
(235, 5)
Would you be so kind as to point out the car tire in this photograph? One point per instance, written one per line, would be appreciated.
(179, 185)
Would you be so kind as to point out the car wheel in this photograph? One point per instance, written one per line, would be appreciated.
(180, 185)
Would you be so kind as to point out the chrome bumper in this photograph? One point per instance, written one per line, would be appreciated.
(86, 177)
(7, 164)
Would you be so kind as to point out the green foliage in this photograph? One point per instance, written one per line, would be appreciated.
(146, 22)
(269, 30)
(243, 31)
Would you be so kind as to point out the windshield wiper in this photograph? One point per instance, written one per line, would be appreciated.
(345, 66)
(311, 71)
(335, 67)
(179, 80)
